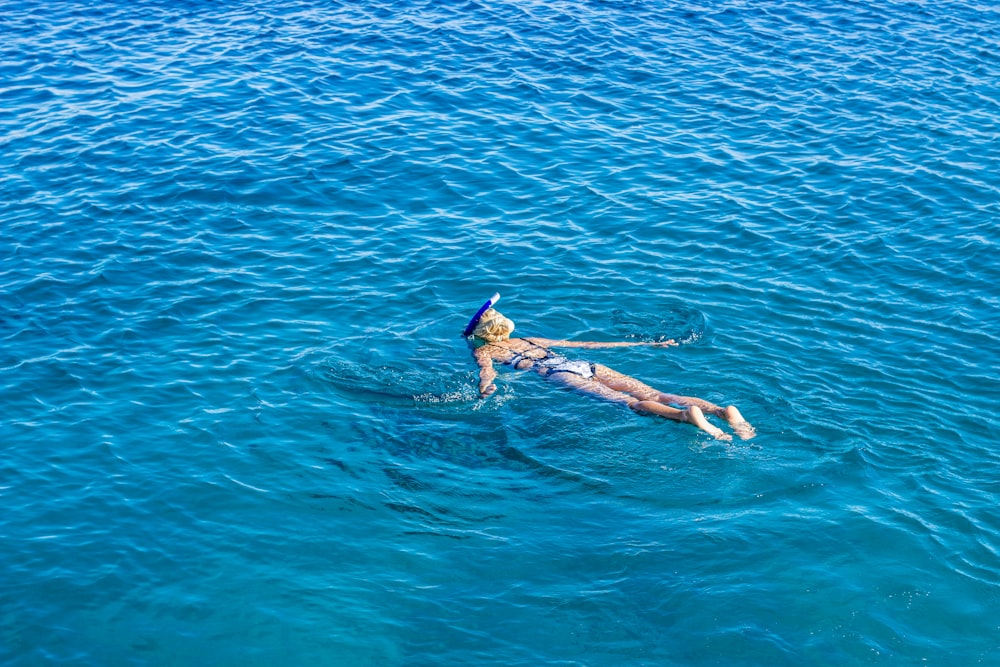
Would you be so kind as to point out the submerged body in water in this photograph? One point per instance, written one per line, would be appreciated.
(494, 344)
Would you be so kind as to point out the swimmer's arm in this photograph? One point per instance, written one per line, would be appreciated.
(545, 342)
(486, 372)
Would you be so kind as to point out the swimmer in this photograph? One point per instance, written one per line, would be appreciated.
(493, 344)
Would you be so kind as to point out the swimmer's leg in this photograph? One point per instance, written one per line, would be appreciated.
(740, 426)
(643, 398)
(588, 386)
(624, 383)
(642, 391)
(692, 414)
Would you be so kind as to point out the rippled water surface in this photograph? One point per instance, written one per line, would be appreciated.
(240, 240)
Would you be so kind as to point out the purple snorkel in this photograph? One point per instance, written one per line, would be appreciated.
(479, 314)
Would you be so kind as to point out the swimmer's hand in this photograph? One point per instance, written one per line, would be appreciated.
(487, 390)
(665, 343)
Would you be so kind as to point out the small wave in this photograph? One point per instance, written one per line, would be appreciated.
(680, 323)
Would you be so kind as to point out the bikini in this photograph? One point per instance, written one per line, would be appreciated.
(553, 363)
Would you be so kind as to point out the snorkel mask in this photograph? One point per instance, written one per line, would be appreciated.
(479, 314)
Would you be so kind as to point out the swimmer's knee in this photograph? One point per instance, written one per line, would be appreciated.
(693, 414)
(732, 413)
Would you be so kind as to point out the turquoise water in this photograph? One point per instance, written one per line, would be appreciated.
(239, 243)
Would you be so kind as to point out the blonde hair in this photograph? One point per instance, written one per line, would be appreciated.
(493, 326)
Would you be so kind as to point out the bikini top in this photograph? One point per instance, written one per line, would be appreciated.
(549, 359)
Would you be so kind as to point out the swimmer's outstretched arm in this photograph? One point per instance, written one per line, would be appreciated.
(486, 372)
(546, 342)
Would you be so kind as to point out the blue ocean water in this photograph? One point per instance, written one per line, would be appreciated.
(240, 240)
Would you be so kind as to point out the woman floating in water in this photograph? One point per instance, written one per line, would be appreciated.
(493, 333)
